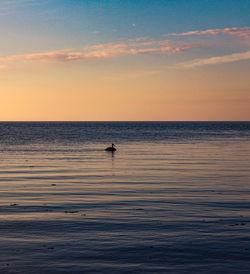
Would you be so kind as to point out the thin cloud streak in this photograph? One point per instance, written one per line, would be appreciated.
(239, 32)
(103, 51)
(9, 7)
(12, 3)
(235, 57)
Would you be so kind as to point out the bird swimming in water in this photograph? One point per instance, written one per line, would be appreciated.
(112, 148)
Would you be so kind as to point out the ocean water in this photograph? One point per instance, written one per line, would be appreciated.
(173, 198)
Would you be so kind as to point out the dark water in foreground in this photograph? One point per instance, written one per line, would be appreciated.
(174, 198)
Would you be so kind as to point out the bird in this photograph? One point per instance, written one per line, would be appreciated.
(112, 148)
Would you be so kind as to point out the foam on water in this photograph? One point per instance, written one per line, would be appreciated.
(174, 198)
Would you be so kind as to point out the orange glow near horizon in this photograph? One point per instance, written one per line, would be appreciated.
(63, 94)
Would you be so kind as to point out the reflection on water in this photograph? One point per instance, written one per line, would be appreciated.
(159, 207)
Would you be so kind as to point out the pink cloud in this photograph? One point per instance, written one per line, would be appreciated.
(240, 32)
(139, 39)
(102, 51)
(216, 60)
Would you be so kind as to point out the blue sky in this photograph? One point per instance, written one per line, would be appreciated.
(89, 21)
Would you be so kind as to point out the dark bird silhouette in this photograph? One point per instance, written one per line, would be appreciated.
(112, 148)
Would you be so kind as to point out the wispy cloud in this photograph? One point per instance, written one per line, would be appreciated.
(216, 60)
(102, 51)
(240, 32)
(136, 46)
(8, 7)
(9, 3)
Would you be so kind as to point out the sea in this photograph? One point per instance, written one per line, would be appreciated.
(173, 198)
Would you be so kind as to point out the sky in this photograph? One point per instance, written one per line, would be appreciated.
(140, 60)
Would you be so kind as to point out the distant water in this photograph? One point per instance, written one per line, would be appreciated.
(173, 198)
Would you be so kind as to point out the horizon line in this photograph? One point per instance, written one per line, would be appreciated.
(117, 121)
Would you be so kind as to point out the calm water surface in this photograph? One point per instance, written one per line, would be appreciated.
(174, 198)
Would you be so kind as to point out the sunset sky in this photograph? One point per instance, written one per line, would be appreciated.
(89, 60)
